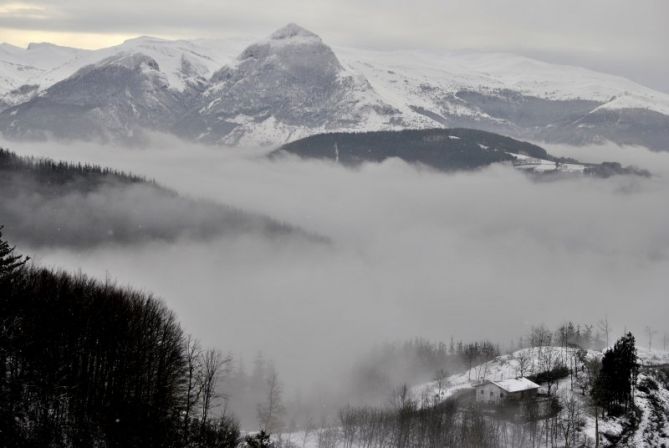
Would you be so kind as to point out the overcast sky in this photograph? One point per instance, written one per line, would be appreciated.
(620, 36)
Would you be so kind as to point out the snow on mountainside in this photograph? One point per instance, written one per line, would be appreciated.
(652, 356)
(283, 87)
(114, 99)
(573, 424)
(534, 360)
(25, 73)
(652, 428)
(292, 84)
(20, 66)
(415, 73)
(527, 361)
(22, 69)
(180, 60)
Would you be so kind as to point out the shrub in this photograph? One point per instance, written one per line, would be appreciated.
(647, 384)
(550, 376)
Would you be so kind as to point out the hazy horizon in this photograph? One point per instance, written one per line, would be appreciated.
(617, 37)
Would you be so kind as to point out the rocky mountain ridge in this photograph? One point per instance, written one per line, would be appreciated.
(292, 84)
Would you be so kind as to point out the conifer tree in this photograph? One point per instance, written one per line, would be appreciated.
(616, 382)
(10, 263)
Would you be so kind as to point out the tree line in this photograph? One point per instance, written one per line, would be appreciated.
(85, 363)
(49, 173)
(49, 203)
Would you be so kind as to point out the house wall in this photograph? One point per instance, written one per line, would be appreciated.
(526, 394)
(490, 393)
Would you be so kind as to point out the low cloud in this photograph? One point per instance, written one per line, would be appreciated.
(67, 207)
(413, 253)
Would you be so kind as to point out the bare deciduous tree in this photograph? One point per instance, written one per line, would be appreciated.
(193, 354)
(440, 380)
(650, 333)
(605, 328)
(309, 427)
(570, 419)
(593, 367)
(524, 362)
(270, 412)
(212, 362)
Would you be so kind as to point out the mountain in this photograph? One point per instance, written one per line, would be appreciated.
(42, 64)
(444, 150)
(46, 203)
(288, 85)
(517, 96)
(292, 84)
(115, 99)
(145, 84)
(22, 70)
(21, 66)
(25, 73)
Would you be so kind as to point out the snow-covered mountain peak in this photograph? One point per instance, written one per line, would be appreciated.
(143, 40)
(292, 84)
(36, 46)
(292, 31)
(132, 61)
(5, 47)
(288, 85)
(184, 63)
(291, 45)
(291, 52)
(40, 55)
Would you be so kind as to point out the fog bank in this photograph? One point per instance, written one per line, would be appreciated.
(413, 253)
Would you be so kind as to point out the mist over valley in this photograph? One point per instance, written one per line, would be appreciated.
(434, 225)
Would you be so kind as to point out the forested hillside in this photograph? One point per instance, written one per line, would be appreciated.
(48, 203)
(445, 150)
(84, 364)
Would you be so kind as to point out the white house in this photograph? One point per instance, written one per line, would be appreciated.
(513, 389)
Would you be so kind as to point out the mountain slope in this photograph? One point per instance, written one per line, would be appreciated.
(183, 63)
(24, 73)
(115, 99)
(291, 85)
(21, 66)
(44, 203)
(285, 86)
(443, 149)
(646, 428)
(517, 96)
(45, 64)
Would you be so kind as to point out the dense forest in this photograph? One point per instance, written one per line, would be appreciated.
(48, 203)
(442, 149)
(85, 363)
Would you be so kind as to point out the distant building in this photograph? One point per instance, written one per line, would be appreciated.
(511, 389)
